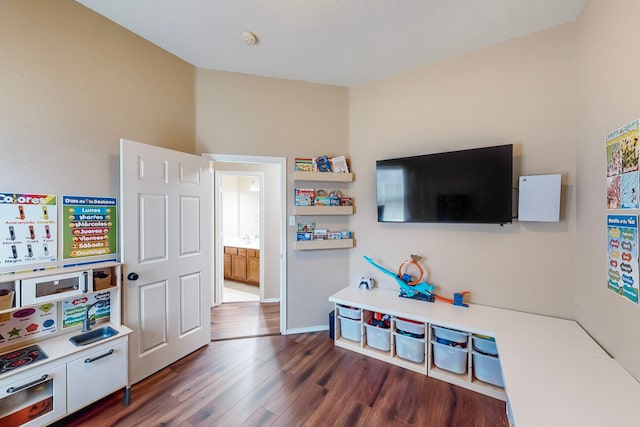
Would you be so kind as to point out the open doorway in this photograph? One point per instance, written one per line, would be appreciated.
(271, 174)
(240, 227)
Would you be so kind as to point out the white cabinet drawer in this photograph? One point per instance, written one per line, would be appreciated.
(50, 288)
(34, 400)
(96, 373)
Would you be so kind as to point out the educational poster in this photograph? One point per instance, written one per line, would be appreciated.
(28, 323)
(89, 226)
(28, 229)
(73, 310)
(622, 248)
(622, 167)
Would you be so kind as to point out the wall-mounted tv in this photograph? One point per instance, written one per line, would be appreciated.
(467, 186)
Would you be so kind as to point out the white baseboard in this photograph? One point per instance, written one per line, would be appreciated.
(307, 330)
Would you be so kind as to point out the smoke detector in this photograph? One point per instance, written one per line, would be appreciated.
(249, 38)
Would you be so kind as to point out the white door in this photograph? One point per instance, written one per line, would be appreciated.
(166, 199)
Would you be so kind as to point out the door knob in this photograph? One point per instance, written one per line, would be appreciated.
(132, 276)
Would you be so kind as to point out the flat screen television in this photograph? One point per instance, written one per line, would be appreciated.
(467, 186)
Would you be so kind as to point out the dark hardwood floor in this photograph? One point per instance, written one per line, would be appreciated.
(291, 380)
(244, 319)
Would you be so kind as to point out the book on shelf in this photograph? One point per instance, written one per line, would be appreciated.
(304, 228)
(320, 234)
(302, 236)
(304, 196)
(339, 164)
(304, 164)
(323, 164)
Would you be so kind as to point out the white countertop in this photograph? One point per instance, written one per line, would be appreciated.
(59, 347)
(238, 242)
(555, 374)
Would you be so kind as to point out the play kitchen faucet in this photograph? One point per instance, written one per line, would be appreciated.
(86, 322)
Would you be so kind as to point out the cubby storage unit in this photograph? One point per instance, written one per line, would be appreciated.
(380, 343)
(536, 353)
(414, 343)
(329, 177)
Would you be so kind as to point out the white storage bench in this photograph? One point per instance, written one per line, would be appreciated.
(549, 370)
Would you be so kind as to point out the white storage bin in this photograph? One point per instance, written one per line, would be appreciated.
(487, 369)
(350, 313)
(349, 329)
(450, 358)
(450, 335)
(379, 338)
(410, 348)
(410, 327)
(484, 345)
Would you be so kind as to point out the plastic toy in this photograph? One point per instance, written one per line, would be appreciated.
(380, 320)
(458, 298)
(366, 283)
(416, 289)
(408, 288)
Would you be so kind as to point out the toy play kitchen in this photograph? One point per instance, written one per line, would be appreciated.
(62, 343)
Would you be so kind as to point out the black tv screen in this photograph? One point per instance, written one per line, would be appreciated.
(467, 186)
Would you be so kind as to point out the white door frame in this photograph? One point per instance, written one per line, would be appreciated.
(218, 242)
(281, 162)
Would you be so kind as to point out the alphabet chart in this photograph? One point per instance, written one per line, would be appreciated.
(622, 248)
(28, 229)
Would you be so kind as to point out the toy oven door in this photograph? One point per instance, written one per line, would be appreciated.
(34, 400)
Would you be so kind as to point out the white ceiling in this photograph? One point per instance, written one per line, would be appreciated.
(341, 42)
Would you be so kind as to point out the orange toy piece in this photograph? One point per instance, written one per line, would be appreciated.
(412, 282)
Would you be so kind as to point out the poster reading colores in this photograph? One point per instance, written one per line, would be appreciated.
(89, 226)
(28, 229)
(622, 255)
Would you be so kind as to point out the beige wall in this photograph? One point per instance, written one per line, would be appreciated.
(71, 85)
(609, 89)
(520, 92)
(248, 115)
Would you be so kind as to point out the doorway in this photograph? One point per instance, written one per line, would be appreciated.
(272, 237)
(241, 227)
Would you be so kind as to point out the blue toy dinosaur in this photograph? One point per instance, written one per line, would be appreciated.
(422, 291)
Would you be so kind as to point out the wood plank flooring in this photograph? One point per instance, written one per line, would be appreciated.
(292, 380)
(244, 319)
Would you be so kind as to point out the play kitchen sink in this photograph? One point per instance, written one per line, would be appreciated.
(93, 335)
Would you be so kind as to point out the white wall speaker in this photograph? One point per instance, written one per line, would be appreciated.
(539, 198)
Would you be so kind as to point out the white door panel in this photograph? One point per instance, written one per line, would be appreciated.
(153, 228)
(166, 235)
(152, 328)
(190, 291)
